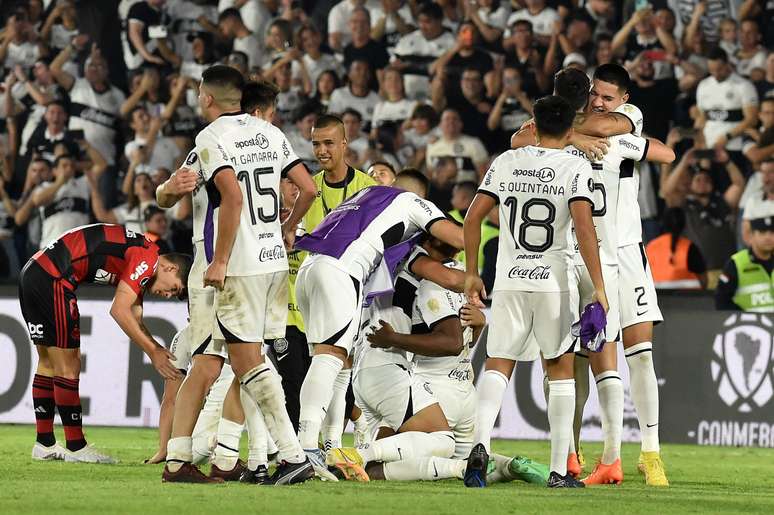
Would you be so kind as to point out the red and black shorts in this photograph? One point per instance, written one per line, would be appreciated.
(49, 307)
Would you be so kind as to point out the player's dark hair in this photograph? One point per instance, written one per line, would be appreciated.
(572, 85)
(328, 120)
(415, 175)
(183, 262)
(426, 112)
(386, 165)
(231, 12)
(258, 95)
(553, 116)
(311, 106)
(353, 112)
(431, 10)
(614, 74)
(222, 76)
(524, 23)
(717, 54)
(469, 187)
(40, 159)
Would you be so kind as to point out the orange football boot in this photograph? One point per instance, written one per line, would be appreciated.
(605, 474)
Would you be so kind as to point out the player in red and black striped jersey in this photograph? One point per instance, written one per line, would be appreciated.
(101, 254)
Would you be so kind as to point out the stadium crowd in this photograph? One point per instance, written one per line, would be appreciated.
(94, 115)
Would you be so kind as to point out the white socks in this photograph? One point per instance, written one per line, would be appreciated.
(257, 434)
(265, 388)
(644, 391)
(316, 394)
(425, 469)
(408, 445)
(611, 400)
(490, 391)
(333, 425)
(227, 451)
(561, 406)
(178, 452)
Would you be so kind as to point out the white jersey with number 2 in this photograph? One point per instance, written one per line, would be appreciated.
(534, 187)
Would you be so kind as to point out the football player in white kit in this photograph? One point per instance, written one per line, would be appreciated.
(240, 251)
(623, 150)
(353, 252)
(541, 190)
(638, 303)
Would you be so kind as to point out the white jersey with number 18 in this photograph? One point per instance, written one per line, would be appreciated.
(260, 155)
(534, 187)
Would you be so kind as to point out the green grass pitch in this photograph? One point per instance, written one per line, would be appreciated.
(704, 480)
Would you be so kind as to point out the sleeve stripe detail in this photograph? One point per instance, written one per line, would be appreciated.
(290, 167)
(432, 326)
(431, 222)
(645, 151)
(585, 199)
(490, 194)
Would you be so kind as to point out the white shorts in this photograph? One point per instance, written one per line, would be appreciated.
(330, 301)
(518, 315)
(197, 337)
(389, 395)
(586, 293)
(252, 309)
(459, 405)
(637, 292)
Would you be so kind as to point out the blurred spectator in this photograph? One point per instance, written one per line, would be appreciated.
(577, 38)
(154, 149)
(289, 97)
(760, 203)
(726, 105)
(676, 263)
(709, 212)
(316, 61)
(61, 25)
(750, 59)
(395, 107)
(243, 40)
(490, 18)
(653, 40)
(130, 213)
(542, 18)
(190, 19)
(527, 59)
(422, 132)
(145, 36)
(765, 86)
(327, 82)
(651, 95)
(156, 226)
(357, 94)
(27, 216)
(763, 12)
(279, 38)
(462, 197)
(417, 50)
(382, 172)
(357, 140)
(54, 132)
(757, 144)
(300, 135)
(470, 103)
(19, 45)
(338, 18)
(704, 15)
(385, 145)
(747, 281)
(468, 152)
(603, 14)
(145, 89)
(201, 56)
(442, 179)
(391, 20)
(464, 55)
(362, 47)
(729, 36)
(512, 108)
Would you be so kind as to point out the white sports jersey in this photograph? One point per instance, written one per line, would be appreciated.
(433, 305)
(534, 187)
(542, 23)
(617, 164)
(402, 219)
(386, 111)
(259, 154)
(419, 53)
(342, 98)
(722, 103)
(97, 114)
(69, 209)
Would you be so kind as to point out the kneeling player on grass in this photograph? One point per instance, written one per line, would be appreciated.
(101, 254)
(541, 189)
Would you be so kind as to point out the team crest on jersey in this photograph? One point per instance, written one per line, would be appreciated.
(192, 158)
(285, 150)
(280, 345)
(103, 277)
(743, 365)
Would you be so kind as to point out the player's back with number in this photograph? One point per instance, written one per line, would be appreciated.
(259, 154)
(534, 187)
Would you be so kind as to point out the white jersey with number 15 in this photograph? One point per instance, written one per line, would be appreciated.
(534, 187)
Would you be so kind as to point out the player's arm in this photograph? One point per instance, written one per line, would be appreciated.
(428, 268)
(658, 152)
(580, 210)
(307, 192)
(230, 211)
(445, 339)
(126, 310)
(181, 183)
(603, 125)
(482, 204)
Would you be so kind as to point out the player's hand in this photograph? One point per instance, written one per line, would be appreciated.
(475, 290)
(594, 148)
(601, 297)
(182, 182)
(381, 338)
(162, 362)
(471, 316)
(215, 275)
